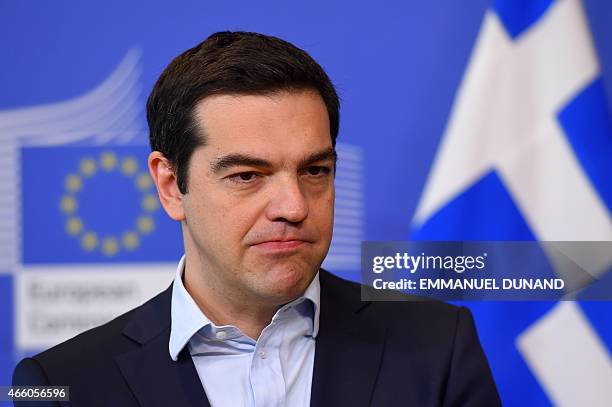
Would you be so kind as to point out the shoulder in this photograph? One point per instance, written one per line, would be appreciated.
(430, 344)
(395, 306)
(429, 324)
(94, 350)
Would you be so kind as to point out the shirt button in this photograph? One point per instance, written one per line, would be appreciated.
(263, 354)
(221, 335)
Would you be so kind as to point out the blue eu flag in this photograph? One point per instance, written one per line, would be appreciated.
(93, 204)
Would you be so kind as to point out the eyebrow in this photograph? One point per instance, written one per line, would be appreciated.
(238, 159)
(328, 154)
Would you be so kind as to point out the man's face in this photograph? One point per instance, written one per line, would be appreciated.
(259, 207)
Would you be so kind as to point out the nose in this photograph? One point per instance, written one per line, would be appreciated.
(288, 202)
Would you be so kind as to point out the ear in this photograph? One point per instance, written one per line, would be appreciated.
(164, 178)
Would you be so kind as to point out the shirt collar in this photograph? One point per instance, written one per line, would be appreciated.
(185, 315)
(187, 318)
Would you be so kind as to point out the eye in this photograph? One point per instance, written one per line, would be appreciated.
(243, 177)
(247, 176)
(316, 171)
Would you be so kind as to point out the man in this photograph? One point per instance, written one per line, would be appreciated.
(243, 129)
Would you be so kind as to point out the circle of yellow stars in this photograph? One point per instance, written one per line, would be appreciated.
(127, 240)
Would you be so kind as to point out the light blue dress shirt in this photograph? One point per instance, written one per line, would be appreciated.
(235, 370)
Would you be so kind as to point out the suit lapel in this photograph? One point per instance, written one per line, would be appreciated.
(154, 378)
(348, 349)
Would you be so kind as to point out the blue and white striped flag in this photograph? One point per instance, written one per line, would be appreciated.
(527, 155)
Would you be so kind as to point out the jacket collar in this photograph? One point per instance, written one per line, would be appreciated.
(349, 347)
(154, 378)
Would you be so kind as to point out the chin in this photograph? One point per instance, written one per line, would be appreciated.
(287, 282)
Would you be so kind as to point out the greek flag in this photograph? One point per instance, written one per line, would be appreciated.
(527, 156)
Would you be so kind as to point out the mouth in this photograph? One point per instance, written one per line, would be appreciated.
(276, 246)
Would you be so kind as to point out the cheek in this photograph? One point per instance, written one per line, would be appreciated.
(205, 214)
(236, 218)
(323, 214)
(235, 223)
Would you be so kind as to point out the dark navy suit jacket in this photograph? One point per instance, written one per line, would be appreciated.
(422, 353)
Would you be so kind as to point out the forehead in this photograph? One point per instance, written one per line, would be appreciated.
(278, 126)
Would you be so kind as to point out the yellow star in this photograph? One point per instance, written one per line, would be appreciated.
(143, 181)
(110, 246)
(68, 204)
(145, 224)
(129, 166)
(108, 160)
(89, 241)
(73, 183)
(74, 226)
(149, 203)
(87, 167)
(130, 240)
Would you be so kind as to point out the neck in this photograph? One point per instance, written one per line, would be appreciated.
(250, 318)
(225, 306)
